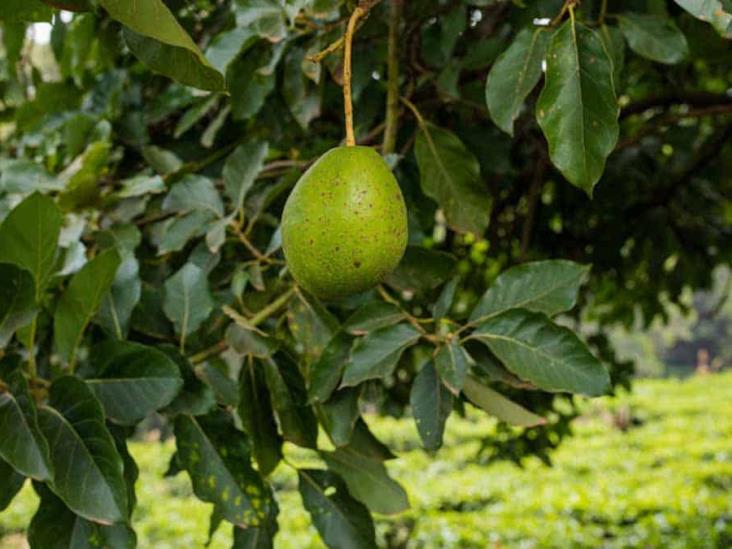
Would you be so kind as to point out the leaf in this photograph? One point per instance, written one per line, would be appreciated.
(450, 175)
(247, 341)
(452, 363)
(215, 374)
(195, 397)
(326, 372)
(217, 458)
(248, 83)
(714, 12)
(514, 74)
(372, 316)
(266, 18)
(364, 442)
(22, 444)
(303, 97)
(421, 270)
(194, 193)
(17, 300)
(657, 38)
(544, 286)
(88, 469)
(577, 109)
(81, 300)
(187, 301)
(24, 10)
(257, 417)
(498, 405)
(311, 324)
(338, 416)
(431, 405)
(444, 301)
(82, 177)
(171, 51)
(343, 522)
(287, 390)
(375, 355)
(367, 481)
(614, 43)
(55, 526)
(10, 484)
(132, 380)
(194, 115)
(227, 46)
(25, 176)
(259, 537)
(241, 169)
(28, 238)
(549, 356)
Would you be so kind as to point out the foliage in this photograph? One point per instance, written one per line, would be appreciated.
(662, 483)
(141, 230)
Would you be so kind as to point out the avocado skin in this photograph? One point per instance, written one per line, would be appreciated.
(344, 226)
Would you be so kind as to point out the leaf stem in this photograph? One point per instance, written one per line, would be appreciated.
(392, 84)
(347, 73)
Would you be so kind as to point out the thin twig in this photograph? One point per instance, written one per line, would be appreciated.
(347, 72)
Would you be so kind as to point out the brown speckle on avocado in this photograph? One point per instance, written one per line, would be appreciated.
(357, 264)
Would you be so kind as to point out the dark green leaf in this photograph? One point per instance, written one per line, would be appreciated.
(498, 405)
(342, 522)
(171, 51)
(338, 416)
(241, 169)
(259, 537)
(444, 301)
(22, 444)
(367, 480)
(257, 417)
(372, 316)
(431, 405)
(551, 357)
(287, 390)
(81, 300)
(196, 397)
(249, 342)
(88, 469)
(514, 74)
(326, 372)
(116, 309)
(217, 458)
(544, 286)
(452, 364)
(194, 193)
(82, 182)
(188, 301)
(376, 354)
(249, 82)
(132, 380)
(17, 300)
(614, 42)
(215, 374)
(24, 10)
(366, 444)
(577, 109)
(421, 270)
(267, 18)
(55, 526)
(10, 484)
(657, 38)
(227, 46)
(450, 175)
(28, 238)
(301, 94)
(311, 324)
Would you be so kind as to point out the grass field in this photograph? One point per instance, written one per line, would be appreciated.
(666, 483)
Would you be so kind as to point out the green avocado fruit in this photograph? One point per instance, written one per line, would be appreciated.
(344, 226)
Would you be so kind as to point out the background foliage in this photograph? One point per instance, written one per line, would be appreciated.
(539, 147)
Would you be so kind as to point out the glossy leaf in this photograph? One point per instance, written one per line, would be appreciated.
(22, 443)
(343, 522)
(450, 175)
(551, 357)
(514, 74)
(544, 286)
(452, 363)
(88, 469)
(577, 109)
(17, 300)
(217, 458)
(132, 380)
(326, 372)
(715, 12)
(171, 51)
(431, 405)
(498, 405)
(376, 354)
(28, 238)
(80, 301)
(657, 38)
(257, 417)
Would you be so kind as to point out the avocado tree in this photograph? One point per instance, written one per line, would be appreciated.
(564, 164)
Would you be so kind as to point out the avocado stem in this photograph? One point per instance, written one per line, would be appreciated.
(347, 72)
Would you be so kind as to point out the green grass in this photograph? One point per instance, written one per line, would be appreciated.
(664, 484)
